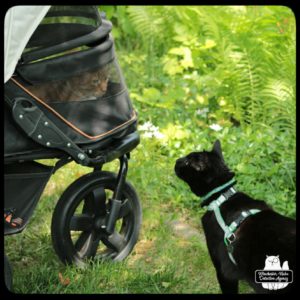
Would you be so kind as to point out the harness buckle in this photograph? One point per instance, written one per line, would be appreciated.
(231, 238)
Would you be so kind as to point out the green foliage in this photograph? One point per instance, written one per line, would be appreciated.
(242, 57)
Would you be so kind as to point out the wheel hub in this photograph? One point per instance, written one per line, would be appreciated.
(99, 224)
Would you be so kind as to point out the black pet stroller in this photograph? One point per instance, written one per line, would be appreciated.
(67, 100)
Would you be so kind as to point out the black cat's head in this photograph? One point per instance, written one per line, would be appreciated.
(204, 171)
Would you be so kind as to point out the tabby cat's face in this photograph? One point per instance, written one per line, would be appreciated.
(94, 83)
(89, 85)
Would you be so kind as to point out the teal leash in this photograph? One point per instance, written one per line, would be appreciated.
(229, 231)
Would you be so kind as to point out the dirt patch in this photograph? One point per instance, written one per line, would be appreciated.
(186, 231)
(141, 250)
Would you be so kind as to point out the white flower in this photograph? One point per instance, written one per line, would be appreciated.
(150, 131)
(202, 112)
(146, 126)
(154, 128)
(158, 135)
(147, 134)
(215, 127)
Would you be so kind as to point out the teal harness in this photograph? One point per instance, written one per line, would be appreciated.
(229, 231)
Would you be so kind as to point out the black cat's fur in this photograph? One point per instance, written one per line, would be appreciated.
(262, 234)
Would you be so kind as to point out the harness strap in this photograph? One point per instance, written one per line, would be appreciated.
(218, 189)
(229, 236)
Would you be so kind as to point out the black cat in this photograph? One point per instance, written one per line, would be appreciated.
(262, 234)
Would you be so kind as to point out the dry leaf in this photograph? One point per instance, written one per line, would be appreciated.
(63, 281)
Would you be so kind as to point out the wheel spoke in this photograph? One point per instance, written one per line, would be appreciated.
(115, 241)
(125, 209)
(95, 202)
(82, 240)
(81, 222)
(88, 205)
(94, 243)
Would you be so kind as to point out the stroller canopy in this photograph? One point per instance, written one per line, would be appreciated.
(20, 23)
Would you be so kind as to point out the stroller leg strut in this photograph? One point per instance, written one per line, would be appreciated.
(115, 202)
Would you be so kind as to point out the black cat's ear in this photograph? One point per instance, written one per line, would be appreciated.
(217, 149)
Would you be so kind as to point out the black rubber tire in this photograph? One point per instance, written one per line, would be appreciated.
(64, 213)
(7, 273)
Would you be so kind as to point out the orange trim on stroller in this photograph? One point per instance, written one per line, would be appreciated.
(67, 122)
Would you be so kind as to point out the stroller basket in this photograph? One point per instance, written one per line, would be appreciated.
(23, 186)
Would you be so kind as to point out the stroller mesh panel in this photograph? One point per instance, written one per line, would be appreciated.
(95, 84)
(64, 23)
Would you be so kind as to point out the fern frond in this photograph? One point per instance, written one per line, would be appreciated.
(148, 21)
(279, 104)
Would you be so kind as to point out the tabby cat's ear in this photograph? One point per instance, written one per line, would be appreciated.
(217, 149)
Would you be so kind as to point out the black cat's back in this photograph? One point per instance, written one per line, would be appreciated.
(266, 233)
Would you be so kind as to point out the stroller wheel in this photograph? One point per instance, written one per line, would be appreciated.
(78, 230)
(7, 273)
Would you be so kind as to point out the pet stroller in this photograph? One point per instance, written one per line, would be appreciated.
(67, 100)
